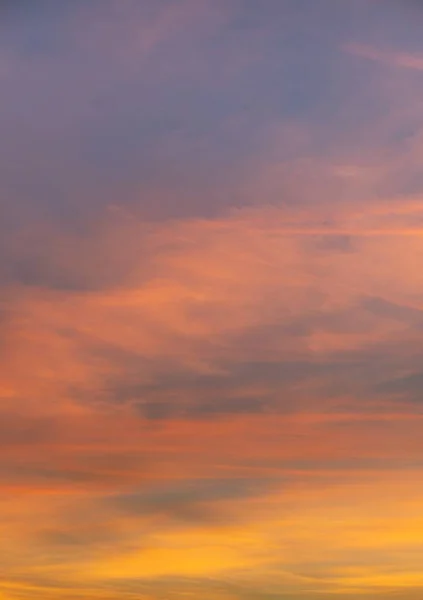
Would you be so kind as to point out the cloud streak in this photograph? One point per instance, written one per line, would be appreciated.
(390, 58)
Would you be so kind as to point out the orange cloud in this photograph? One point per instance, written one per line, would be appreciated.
(230, 406)
(225, 356)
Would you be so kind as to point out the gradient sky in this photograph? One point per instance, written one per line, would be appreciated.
(211, 299)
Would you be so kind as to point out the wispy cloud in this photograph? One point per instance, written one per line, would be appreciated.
(392, 58)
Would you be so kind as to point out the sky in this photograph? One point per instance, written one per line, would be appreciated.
(211, 299)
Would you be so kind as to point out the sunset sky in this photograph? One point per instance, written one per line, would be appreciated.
(211, 300)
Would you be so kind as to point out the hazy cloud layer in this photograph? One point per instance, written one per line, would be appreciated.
(211, 321)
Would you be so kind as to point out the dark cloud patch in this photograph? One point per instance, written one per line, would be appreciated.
(293, 331)
(17, 8)
(190, 395)
(86, 469)
(40, 473)
(409, 387)
(22, 430)
(180, 393)
(391, 310)
(343, 244)
(75, 538)
(343, 373)
(210, 400)
(227, 406)
(116, 462)
(350, 464)
(72, 258)
(30, 272)
(161, 388)
(194, 501)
